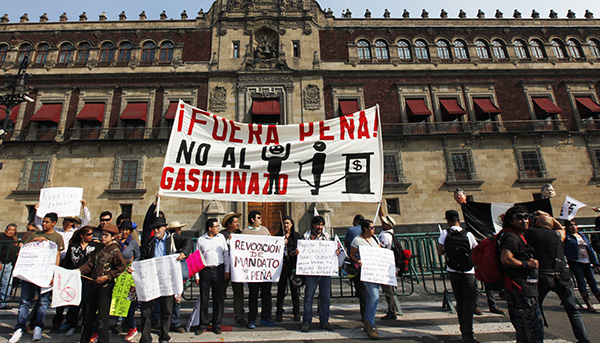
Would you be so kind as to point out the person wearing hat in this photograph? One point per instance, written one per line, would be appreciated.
(386, 240)
(103, 267)
(175, 229)
(231, 224)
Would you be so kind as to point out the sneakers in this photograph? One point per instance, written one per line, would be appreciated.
(131, 334)
(305, 327)
(94, 338)
(327, 327)
(217, 330)
(65, 327)
(71, 332)
(37, 333)
(251, 325)
(16, 336)
(268, 321)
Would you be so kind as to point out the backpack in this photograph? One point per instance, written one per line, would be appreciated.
(457, 249)
(401, 256)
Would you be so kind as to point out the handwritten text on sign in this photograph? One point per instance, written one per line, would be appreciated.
(378, 265)
(66, 289)
(120, 301)
(64, 201)
(36, 263)
(317, 258)
(157, 277)
(255, 258)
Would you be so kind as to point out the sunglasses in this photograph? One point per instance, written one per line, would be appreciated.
(104, 220)
(521, 216)
(89, 234)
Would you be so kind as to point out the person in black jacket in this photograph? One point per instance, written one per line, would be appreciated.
(8, 257)
(289, 264)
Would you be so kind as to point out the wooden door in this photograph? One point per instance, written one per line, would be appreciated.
(271, 214)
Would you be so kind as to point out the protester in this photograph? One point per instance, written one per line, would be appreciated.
(521, 268)
(546, 238)
(371, 290)
(8, 257)
(186, 243)
(255, 228)
(105, 219)
(289, 265)
(120, 218)
(231, 224)
(130, 249)
(386, 241)
(311, 281)
(456, 244)
(581, 258)
(31, 229)
(352, 232)
(29, 290)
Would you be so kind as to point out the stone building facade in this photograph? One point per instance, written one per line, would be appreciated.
(496, 106)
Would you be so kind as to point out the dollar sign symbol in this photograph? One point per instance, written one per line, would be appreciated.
(357, 165)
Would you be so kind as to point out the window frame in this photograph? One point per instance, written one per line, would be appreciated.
(574, 50)
(119, 168)
(107, 52)
(83, 52)
(65, 55)
(421, 50)
(363, 49)
(404, 53)
(148, 53)
(520, 50)
(124, 52)
(558, 49)
(235, 47)
(443, 50)
(24, 52)
(594, 46)
(499, 50)
(26, 175)
(483, 50)
(382, 52)
(594, 154)
(537, 49)
(165, 52)
(399, 177)
(460, 50)
(523, 174)
(296, 49)
(41, 53)
(4, 48)
(451, 172)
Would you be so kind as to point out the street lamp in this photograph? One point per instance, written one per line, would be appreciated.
(16, 95)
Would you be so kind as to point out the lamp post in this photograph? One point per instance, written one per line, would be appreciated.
(16, 95)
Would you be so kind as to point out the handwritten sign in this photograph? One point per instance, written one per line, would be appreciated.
(35, 263)
(378, 265)
(342, 256)
(570, 207)
(157, 277)
(66, 289)
(64, 201)
(255, 258)
(121, 301)
(317, 258)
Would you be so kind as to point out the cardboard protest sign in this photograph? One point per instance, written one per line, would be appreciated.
(342, 256)
(157, 277)
(317, 258)
(64, 201)
(570, 207)
(378, 265)
(195, 262)
(255, 258)
(66, 288)
(209, 157)
(36, 263)
(121, 299)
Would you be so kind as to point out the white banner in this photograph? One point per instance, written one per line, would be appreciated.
(317, 258)
(209, 157)
(342, 256)
(570, 207)
(64, 201)
(66, 288)
(378, 265)
(36, 263)
(157, 277)
(256, 258)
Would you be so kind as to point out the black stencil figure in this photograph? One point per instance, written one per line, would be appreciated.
(278, 154)
(318, 165)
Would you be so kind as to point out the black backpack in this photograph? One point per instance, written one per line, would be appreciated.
(457, 249)
(400, 256)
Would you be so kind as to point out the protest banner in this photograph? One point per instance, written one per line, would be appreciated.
(121, 299)
(157, 277)
(570, 207)
(36, 263)
(64, 201)
(209, 157)
(255, 258)
(317, 258)
(378, 265)
(66, 288)
(195, 262)
(342, 256)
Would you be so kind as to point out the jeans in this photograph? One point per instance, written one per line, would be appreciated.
(525, 313)
(176, 314)
(372, 299)
(28, 292)
(465, 293)
(265, 298)
(5, 283)
(310, 286)
(583, 272)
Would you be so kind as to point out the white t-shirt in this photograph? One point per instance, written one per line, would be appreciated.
(472, 241)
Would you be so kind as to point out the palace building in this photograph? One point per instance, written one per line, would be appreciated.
(497, 105)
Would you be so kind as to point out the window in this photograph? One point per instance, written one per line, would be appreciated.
(128, 171)
(498, 50)
(148, 50)
(558, 49)
(83, 53)
(124, 54)
(482, 50)
(107, 52)
(38, 175)
(236, 49)
(520, 50)
(126, 209)
(393, 206)
(3, 52)
(129, 174)
(364, 50)
(166, 52)
(443, 50)
(296, 49)
(459, 165)
(594, 153)
(421, 50)
(574, 49)
(594, 48)
(531, 165)
(42, 53)
(460, 50)
(404, 50)
(381, 50)
(24, 50)
(536, 49)
(66, 52)
(393, 173)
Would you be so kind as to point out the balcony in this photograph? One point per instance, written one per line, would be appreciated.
(427, 128)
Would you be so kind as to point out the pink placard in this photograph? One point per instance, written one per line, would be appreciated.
(195, 262)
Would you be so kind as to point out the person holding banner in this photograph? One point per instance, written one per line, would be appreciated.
(289, 264)
(8, 257)
(231, 224)
(130, 249)
(103, 267)
(386, 240)
(352, 232)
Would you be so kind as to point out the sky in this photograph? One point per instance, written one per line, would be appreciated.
(173, 8)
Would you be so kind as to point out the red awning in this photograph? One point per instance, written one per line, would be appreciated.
(417, 108)
(92, 111)
(587, 107)
(451, 107)
(13, 113)
(485, 105)
(547, 106)
(172, 110)
(348, 107)
(48, 112)
(265, 107)
(135, 111)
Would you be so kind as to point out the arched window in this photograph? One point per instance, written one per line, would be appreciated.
(381, 50)
(536, 49)
(42, 53)
(364, 50)
(24, 50)
(520, 49)
(148, 51)
(558, 49)
(83, 53)
(166, 52)
(404, 50)
(124, 54)
(498, 50)
(594, 47)
(3, 52)
(443, 50)
(421, 50)
(574, 49)
(460, 50)
(65, 54)
(482, 50)
(107, 52)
